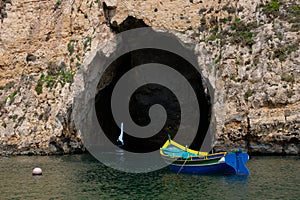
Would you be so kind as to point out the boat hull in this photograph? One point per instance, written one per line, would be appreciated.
(183, 159)
(221, 168)
(231, 163)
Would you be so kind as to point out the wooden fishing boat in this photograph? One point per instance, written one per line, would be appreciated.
(183, 159)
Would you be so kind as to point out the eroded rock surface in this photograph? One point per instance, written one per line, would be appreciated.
(249, 51)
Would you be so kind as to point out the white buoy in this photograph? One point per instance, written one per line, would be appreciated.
(37, 171)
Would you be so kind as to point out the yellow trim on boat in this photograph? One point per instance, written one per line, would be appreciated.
(199, 153)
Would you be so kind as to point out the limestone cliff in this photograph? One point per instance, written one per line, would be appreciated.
(249, 50)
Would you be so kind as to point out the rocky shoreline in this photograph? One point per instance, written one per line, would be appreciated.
(249, 52)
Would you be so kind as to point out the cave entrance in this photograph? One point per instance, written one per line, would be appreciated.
(148, 95)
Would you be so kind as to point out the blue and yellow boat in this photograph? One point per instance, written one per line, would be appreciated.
(183, 159)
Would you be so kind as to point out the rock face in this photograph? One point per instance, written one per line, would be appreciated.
(249, 52)
(41, 46)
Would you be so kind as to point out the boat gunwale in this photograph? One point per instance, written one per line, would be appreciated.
(198, 154)
(205, 157)
(195, 162)
(197, 165)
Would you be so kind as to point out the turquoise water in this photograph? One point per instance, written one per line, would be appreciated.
(82, 177)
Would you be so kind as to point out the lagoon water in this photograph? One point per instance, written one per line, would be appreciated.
(83, 177)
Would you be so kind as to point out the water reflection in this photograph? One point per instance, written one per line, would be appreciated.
(82, 177)
(241, 180)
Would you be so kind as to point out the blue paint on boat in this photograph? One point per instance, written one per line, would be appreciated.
(184, 160)
(234, 164)
(237, 161)
(208, 169)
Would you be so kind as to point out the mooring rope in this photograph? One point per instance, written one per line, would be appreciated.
(182, 166)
